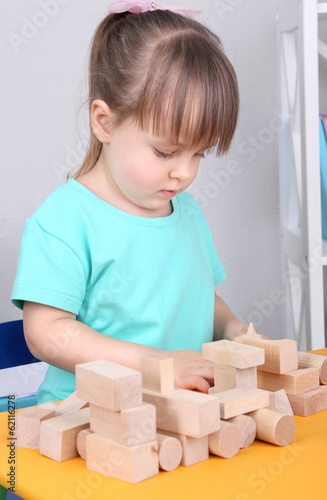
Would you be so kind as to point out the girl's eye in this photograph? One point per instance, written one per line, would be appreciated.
(160, 154)
(202, 155)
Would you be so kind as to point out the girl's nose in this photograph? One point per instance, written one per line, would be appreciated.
(181, 170)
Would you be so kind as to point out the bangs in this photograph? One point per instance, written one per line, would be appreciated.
(190, 93)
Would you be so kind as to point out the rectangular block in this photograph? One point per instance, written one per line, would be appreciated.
(186, 412)
(280, 355)
(279, 401)
(28, 424)
(227, 352)
(295, 382)
(241, 400)
(109, 385)
(227, 377)
(310, 402)
(128, 427)
(58, 435)
(195, 450)
(132, 464)
(157, 372)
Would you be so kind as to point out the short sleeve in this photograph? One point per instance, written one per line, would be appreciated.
(49, 271)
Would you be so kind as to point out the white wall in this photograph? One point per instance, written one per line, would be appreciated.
(43, 69)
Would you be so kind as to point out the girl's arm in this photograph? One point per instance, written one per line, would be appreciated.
(54, 336)
(226, 324)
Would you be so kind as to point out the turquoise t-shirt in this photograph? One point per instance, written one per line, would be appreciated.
(144, 280)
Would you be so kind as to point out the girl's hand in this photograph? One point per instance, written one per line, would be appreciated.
(191, 371)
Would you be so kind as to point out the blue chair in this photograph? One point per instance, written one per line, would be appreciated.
(14, 352)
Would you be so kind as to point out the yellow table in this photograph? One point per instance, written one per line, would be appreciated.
(262, 471)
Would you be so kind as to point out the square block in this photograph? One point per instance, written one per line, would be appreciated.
(195, 450)
(186, 412)
(241, 400)
(227, 377)
(227, 352)
(132, 464)
(58, 435)
(128, 427)
(109, 385)
(295, 382)
(28, 424)
(280, 355)
(157, 372)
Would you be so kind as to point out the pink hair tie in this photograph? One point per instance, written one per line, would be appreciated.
(142, 6)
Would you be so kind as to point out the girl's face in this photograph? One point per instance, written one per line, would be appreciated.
(145, 172)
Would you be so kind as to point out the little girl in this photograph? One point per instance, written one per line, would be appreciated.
(119, 260)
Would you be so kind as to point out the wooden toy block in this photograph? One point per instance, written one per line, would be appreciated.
(157, 372)
(81, 442)
(280, 355)
(71, 404)
(273, 427)
(58, 435)
(307, 360)
(128, 427)
(195, 450)
(227, 377)
(109, 385)
(227, 352)
(240, 400)
(247, 427)
(186, 412)
(295, 382)
(170, 452)
(310, 402)
(251, 331)
(279, 401)
(226, 442)
(28, 423)
(128, 463)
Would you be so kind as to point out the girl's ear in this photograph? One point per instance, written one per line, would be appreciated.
(101, 118)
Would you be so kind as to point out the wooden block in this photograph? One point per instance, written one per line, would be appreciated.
(58, 435)
(186, 412)
(240, 400)
(280, 355)
(128, 427)
(109, 385)
(71, 404)
(247, 427)
(310, 402)
(157, 372)
(81, 442)
(251, 331)
(307, 360)
(295, 382)
(128, 463)
(227, 352)
(226, 442)
(273, 427)
(195, 450)
(170, 452)
(28, 423)
(279, 401)
(228, 377)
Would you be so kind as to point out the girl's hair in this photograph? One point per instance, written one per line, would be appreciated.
(162, 69)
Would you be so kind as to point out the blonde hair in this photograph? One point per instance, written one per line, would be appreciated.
(159, 67)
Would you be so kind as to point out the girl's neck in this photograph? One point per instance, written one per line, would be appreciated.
(101, 185)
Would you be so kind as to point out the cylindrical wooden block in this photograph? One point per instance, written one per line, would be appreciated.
(273, 427)
(170, 452)
(308, 360)
(81, 442)
(226, 442)
(247, 427)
